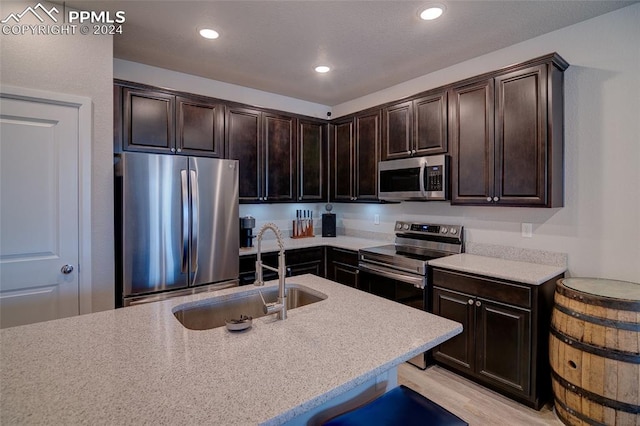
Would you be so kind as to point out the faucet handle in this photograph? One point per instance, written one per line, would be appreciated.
(259, 278)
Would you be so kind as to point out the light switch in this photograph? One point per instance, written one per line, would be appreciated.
(376, 219)
(527, 230)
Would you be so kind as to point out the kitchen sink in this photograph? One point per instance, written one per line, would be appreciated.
(213, 313)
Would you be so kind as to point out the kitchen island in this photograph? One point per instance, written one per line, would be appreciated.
(140, 365)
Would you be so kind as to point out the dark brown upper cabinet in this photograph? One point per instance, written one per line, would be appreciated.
(148, 121)
(415, 127)
(200, 127)
(159, 122)
(265, 146)
(354, 157)
(312, 158)
(506, 133)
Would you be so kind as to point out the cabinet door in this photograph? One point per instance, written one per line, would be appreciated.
(200, 127)
(398, 131)
(521, 134)
(367, 156)
(314, 268)
(472, 143)
(148, 121)
(279, 157)
(342, 266)
(312, 161)
(342, 162)
(118, 113)
(459, 351)
(503, 345)
(243, 144)
(305, 261)
(430, 114)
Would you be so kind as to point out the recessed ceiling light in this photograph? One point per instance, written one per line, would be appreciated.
(322, 69)
(432, 12)
(209, 33)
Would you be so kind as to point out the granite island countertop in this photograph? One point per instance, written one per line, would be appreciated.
(140, 365)
(524, 272)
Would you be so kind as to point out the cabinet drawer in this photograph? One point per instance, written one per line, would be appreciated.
(307, 255)
(500, 291)
(344, 256)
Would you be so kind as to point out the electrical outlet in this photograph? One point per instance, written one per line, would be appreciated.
(527, 230)
(376, 219)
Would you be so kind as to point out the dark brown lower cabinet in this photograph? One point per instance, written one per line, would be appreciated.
(342, 266)
(299, 262)
(505, 332)
(305, 261)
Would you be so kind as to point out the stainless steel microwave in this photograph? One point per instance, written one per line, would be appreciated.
(416, 178)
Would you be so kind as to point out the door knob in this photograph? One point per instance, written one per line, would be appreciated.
(66, 269)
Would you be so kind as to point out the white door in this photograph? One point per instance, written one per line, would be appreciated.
(38, 211)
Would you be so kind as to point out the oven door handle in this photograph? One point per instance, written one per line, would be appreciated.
(416, 281)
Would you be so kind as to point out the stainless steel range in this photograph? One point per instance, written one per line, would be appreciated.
(400, 271)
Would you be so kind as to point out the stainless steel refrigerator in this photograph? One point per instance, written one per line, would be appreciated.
(176, 226)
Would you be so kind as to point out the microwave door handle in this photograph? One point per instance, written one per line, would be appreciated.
(423, 188)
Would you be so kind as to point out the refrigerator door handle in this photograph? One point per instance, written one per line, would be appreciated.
(185, 221)
(195, 213)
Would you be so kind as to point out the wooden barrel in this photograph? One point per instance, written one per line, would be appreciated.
(594, 350)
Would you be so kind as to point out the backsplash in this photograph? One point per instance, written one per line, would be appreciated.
(517, 253)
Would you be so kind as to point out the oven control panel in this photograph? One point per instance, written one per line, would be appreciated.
(429, 229)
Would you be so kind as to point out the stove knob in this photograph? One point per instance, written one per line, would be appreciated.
(406, 226)
(443, 230)
(454, 231)
(398, 225)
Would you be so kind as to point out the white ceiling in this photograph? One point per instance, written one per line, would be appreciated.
(370, 45)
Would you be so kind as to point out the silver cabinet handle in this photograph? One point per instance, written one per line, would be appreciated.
(496, 198)
(66, 269)
(173, 150)
(470, 301)
(413, 151)
(478, 303)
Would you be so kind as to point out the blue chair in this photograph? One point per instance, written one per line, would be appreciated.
(400, 406)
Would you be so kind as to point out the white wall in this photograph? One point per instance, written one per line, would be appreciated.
(160, 77)
(599, 227)
(78, 65)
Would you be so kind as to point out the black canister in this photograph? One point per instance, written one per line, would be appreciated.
(247, 224)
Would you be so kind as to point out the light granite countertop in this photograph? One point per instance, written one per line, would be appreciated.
(340, 241)
(139, 365)
(524, 272)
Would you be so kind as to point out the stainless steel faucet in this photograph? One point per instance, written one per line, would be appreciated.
(280, 307)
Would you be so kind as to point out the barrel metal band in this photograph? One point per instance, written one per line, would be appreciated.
(598, 399)
(593, 299)
(576, 414)
(630, 357)
(622, 325)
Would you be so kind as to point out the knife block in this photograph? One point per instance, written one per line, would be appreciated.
(302, 228)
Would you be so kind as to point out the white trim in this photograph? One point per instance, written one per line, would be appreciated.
(85, 132)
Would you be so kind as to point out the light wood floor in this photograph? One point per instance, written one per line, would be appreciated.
(471, 402)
